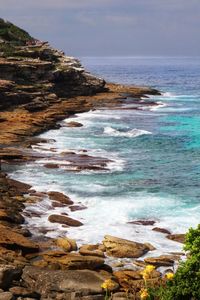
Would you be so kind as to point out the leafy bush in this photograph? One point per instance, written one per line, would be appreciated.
(186, 282)
(11, 33)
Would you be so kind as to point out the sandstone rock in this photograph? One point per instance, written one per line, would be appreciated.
(60, 197)
(46, 282)
(77, 207)
(24, 292)
(162, 230)
(8, 273)
(163, 260)
(64, 220)
(92, 250)
(67, 244)
(118, 247)
(132, 281)
(51, 166)
(74, 124)
(143, 222)
(12, 240)
(77, 261)
(180, 238)
(6, 296)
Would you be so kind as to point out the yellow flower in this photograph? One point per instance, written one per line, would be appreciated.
(108, 284)
(169, 276)
(144, 294)
(149, 268)
(146, 273)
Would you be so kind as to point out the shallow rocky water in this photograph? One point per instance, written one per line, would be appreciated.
(154, 171)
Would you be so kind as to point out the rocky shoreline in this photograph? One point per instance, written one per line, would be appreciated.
(40, 86)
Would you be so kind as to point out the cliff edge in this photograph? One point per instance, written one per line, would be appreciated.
(34, 75)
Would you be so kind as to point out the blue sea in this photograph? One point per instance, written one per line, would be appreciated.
(155, 153)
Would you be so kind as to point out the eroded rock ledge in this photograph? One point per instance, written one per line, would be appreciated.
(39, 85)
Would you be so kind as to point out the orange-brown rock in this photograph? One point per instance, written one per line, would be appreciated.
(72, 260)
(118, 247)
(64, 220)
(60, 197)
(74, 124)
(163, 260)
(15, 241)
(132, 281)
(66, 244)
(92, 250)
(180, 238)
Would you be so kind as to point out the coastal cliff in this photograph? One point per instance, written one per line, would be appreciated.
(39, 86)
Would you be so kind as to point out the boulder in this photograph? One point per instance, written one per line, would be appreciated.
(163, 260)
(118, 247)
(180, 238)
(77, 261)
(15, 241)
(162, 230)
(132, 281)
(64, 220)
(6, 296)
(143, 222)
(74, 124)
(8, 273)
(92, 250)
(67, 244)
(60, 197)
(79, 282)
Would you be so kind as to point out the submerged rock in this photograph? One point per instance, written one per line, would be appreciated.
(64, 220)
(74, 124)
(162, 230)
(180, 238)
(118, 247)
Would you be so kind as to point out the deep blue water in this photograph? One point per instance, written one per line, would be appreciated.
(156, 153)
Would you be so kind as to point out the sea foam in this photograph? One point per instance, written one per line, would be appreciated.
(131, 133)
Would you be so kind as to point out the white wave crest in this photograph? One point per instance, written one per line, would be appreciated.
(131, 133)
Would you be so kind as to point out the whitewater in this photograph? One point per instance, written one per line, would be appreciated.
(154, 172)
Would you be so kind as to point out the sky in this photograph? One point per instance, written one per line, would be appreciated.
(111, 27)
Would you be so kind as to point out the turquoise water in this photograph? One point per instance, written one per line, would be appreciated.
(155, 172)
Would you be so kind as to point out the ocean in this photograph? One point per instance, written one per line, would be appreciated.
(155, 153)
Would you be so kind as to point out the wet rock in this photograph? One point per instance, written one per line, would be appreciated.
(74, 124)
(143, 222)
(20, 187)
(92, 250)
(118, 247)
(48, 282)
(163, 260)
(67, 244)
(162, 230)
(180, 238)
(64, 220)
(51, 166)
(77, 207)
(60, 197)
(8, 273)
(12, 240)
